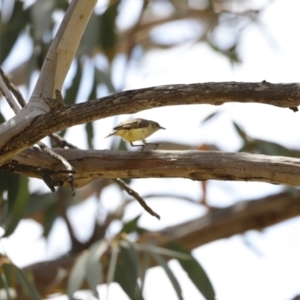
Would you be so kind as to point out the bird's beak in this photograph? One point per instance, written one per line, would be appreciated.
(161, 127)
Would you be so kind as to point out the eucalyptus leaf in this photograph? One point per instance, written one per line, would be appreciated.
(89, 126)
(162, 251)
(94, 268)
(19, 207)
(112, 267)
(78, 274)
(131, 226)
(163, 263)
(41, 15)
(28, 286)
(11, 29)
(72, 91)
(127, 270)
(211, 116)
(195, 272)
(4, 286)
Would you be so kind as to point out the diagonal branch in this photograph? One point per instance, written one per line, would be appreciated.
(136, 196)
(53, 73)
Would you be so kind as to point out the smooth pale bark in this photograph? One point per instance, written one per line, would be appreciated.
(52, 76)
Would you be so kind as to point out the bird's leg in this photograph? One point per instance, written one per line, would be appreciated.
(144, 144)
(137, 146)
(156, 145)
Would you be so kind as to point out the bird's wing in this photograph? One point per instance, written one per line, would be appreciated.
(130, 124)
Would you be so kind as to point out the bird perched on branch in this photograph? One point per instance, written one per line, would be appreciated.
(136, 130)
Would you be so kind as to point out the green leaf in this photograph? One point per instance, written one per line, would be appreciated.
(270, 148)
(4, 285)
(89, 40)
(163, 263)
(211, 116)
(8, 183)
(28, 287)
(11, 29)
(39, 203)
(18, 210)
(107, 34)
(41, 16)
(105, 78)
(145, 264)
(72, 91)
(131, 226)
(240, 132)
(89, 126)
(2, 119)
(77, 274)
(51, 214)
(90, 134)
(112, 267)
(127, 270)
(162, 251)
(9, 271)
(195, 272)
(94, 271)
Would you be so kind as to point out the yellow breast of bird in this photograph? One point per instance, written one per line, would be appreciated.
(134, 134)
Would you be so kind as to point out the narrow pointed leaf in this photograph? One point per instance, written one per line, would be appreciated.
(131, 226)
(89, 126)
(163, 263)
(72, 91)
(94, 270)
(240, 132)
(162, 251)
(77, 274)
(10, 30)
(4, 285)
(211, 116)
(127, 271)
(28, 286)
(112, 267)
(195, 272)
(18, 211)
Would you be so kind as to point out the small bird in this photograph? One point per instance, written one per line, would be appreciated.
(136, 130)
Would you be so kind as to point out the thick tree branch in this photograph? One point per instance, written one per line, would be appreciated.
(215, 93)
(236, 219)
(194, 164)
(216, 224)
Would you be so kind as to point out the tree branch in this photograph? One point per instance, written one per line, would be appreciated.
(215, 93)
(53, 73)
(236, 219)
(195, 165)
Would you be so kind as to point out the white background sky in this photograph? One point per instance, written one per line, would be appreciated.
(237, 271)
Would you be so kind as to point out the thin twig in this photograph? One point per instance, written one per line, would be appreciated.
(5, 88)
(13, 89)
(135, 195)
(60, 142)
(63, 161)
